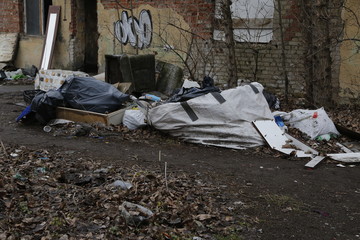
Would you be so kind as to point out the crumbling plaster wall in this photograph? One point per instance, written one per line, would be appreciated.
(350, 54)
(30, 47)
(166, 34)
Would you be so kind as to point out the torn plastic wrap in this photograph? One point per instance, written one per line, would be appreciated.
(219, 119)
(185, 94)
(87, 93)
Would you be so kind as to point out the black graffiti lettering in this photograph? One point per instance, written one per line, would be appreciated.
(136, 32)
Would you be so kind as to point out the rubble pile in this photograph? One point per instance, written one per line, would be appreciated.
(59, 195)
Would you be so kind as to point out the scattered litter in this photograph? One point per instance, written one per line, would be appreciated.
(341, 165)
(135, 214)
(189, 84)
(121, 184)
(324, 137)
(150, 97)
(40, 170)
(47, 129)
(322, 213)
(280, 141)
(343, 148)
(314, 161)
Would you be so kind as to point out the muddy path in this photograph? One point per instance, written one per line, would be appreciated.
(281, 198)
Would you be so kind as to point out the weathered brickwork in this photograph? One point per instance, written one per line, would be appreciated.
(11, 16)
(262, 61)
(256, 61)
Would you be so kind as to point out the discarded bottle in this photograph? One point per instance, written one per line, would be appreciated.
(152, 97)
(279, 121)
(323, 137)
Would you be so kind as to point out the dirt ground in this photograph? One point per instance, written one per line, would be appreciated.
(245, 194)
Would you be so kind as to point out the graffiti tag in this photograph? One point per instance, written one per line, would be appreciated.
(136, 32)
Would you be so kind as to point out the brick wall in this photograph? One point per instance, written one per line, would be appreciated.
(256, 62)
(262, 61)
(11, 16)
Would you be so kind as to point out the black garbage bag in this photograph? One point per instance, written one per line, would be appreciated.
(184, 94)
(273, 101)
(90, 94)
(44, 105)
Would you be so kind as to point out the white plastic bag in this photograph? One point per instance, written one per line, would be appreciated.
(134, 119)
(312, 122)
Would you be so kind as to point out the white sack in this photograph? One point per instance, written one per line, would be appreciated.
(312, 124)
(226, 125)
(134, 119)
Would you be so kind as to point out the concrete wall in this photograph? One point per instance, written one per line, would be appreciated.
(164, 36)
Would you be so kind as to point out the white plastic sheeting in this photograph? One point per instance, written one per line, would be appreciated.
(312, 122)
(227, 124)
(134, 119)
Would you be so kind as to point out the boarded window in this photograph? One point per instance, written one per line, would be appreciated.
(252, 20)
(36, 16)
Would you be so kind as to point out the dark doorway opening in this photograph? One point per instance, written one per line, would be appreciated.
(91, 37)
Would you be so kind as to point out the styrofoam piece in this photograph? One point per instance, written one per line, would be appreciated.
(301, 145)
(53, 78)
(279, 140)
(315, 161)
(190, 84)
(273, 135)
(345, 149)
(345, 157)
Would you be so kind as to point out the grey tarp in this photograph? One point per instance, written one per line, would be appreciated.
(219, 119)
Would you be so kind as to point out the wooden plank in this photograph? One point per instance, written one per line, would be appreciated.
(315, 161)
(77, 115)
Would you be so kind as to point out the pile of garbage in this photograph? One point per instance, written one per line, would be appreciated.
(237, 118)
(47, 194)
(13, 76)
